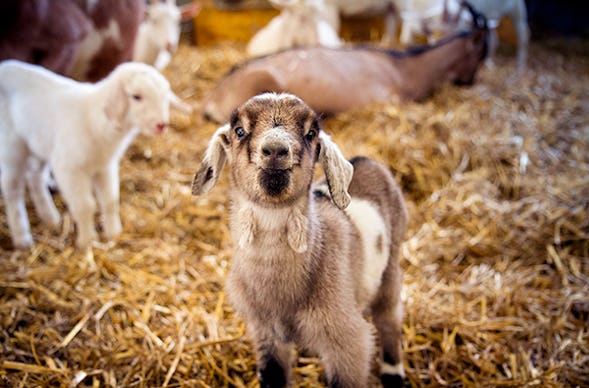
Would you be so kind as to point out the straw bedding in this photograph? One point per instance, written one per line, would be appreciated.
(496, 260)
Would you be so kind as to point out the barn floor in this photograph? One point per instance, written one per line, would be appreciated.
(496, 260)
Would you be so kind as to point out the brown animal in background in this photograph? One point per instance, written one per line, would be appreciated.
(111, 39)
(43, 32)
(305, 270)
(338, 80)
(82, 39)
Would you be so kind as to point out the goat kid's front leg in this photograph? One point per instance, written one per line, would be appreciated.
(273, 357)
(107, 195)
(344, 342)
(76, 189)
(38, 181)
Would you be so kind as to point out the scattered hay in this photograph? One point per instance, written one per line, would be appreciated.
(496, 260)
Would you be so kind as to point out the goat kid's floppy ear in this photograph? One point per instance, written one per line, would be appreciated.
(116, 103)
(213, 161)
(338, 171)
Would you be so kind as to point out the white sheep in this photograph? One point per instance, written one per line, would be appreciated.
(80, 131)
(159, 34)
(300, 23)
(304, 270)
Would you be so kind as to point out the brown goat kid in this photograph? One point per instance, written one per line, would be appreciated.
(305, 270)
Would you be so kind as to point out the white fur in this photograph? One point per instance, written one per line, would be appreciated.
(300, 23)
(397, 369)
(80, 130)
(371, 225)
(158, 35)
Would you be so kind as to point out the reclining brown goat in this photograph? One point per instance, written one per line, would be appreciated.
(333, 80)
(305, 270)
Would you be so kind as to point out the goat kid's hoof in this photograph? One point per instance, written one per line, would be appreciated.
(392, 381)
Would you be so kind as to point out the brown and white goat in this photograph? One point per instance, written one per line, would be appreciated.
(305, 270)
(337, 80)
(111, 38)
(81, 39)
(43, 32)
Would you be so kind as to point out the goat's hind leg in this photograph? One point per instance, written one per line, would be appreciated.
(13, 169)
(387, 316)
(38, 181)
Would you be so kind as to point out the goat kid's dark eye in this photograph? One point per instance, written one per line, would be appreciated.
(310, 135)
(240, 132)
(137, 97)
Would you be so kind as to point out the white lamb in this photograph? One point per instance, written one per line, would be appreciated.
(300, 23)
(80, 131)
(158, 35)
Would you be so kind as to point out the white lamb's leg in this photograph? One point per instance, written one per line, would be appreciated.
(76, 188)
(13, 158)
(13, 191)
(406, 35)
(519, 17)
(37, 180)
(107, 195)
(389, 37)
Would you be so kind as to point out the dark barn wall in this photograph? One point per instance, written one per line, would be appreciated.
(564, 17)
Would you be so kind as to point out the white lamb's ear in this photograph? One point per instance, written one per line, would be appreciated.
(213, 161)
(116, 105)
(338, 171)
(177, 103)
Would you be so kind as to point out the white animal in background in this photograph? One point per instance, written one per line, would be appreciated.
(159, 34)
(420, 17)
(305, 270)
(80, 131)
(300, 23)
(394, 12)
(516, 12)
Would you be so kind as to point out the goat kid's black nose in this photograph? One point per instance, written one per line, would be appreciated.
(275, 151)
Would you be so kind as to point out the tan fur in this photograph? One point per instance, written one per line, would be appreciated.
(296, 276)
